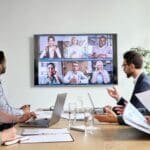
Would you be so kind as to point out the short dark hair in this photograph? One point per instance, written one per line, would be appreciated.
(132, 57)
(51, 37)
(2, 57)
(51, 64)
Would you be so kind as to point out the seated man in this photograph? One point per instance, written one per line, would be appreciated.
(132, 66)
(24, 111)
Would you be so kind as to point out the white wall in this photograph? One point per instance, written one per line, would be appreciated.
(21, 19)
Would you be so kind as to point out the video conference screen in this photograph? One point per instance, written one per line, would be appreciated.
(75, 59)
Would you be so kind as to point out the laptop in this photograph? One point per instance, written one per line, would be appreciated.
(97, 110)
(56, 115)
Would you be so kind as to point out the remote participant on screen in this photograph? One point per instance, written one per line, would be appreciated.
(100, 75)
(52, 77)
(51, 50)
(103, 50)
(75, 76)
(75, 50)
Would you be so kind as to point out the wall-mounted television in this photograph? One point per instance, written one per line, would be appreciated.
(75, 59)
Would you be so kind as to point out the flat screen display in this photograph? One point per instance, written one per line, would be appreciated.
(75, 59)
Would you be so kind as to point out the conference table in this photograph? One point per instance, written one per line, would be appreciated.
(105, 137)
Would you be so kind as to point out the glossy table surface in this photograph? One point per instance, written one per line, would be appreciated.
(105, 137)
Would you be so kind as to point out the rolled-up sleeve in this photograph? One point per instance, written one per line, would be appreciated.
(5, 107)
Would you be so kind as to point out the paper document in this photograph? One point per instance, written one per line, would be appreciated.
(48, 138)
(30, 131)
(135, 119)
(144, 98)
(46, 135)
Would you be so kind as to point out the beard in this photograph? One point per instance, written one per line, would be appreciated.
(3, 70)
(129, 75)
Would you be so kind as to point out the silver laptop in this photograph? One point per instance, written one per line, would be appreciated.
(97, 110)
(56, 115)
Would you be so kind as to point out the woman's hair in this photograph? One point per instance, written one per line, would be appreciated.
(99, 63)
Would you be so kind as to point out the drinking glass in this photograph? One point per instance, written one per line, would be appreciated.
(79, 102)
(72, 108)
(88, 120)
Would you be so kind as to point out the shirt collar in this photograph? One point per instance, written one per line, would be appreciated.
(135, 79)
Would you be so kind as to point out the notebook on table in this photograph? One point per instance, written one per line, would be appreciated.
(55, 117)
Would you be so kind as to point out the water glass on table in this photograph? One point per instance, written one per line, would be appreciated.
(88, 120)
(72, 108)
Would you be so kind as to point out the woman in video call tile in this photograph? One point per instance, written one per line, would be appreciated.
(51, 50)
(75, 50)
(100, 75)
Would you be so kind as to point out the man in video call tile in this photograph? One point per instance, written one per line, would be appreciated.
(102, 50)
(52, 75)
(75, 76)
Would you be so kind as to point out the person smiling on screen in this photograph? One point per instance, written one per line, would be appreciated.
(100, 75)
(103, 50)
(51, 50)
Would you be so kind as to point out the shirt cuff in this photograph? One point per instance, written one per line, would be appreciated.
(119, 99)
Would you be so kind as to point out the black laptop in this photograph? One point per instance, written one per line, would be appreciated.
(56, 115)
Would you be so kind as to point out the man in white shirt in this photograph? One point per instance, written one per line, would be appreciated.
(75, 76)
(4, 105)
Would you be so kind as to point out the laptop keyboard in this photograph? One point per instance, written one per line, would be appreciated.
(39, 122)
